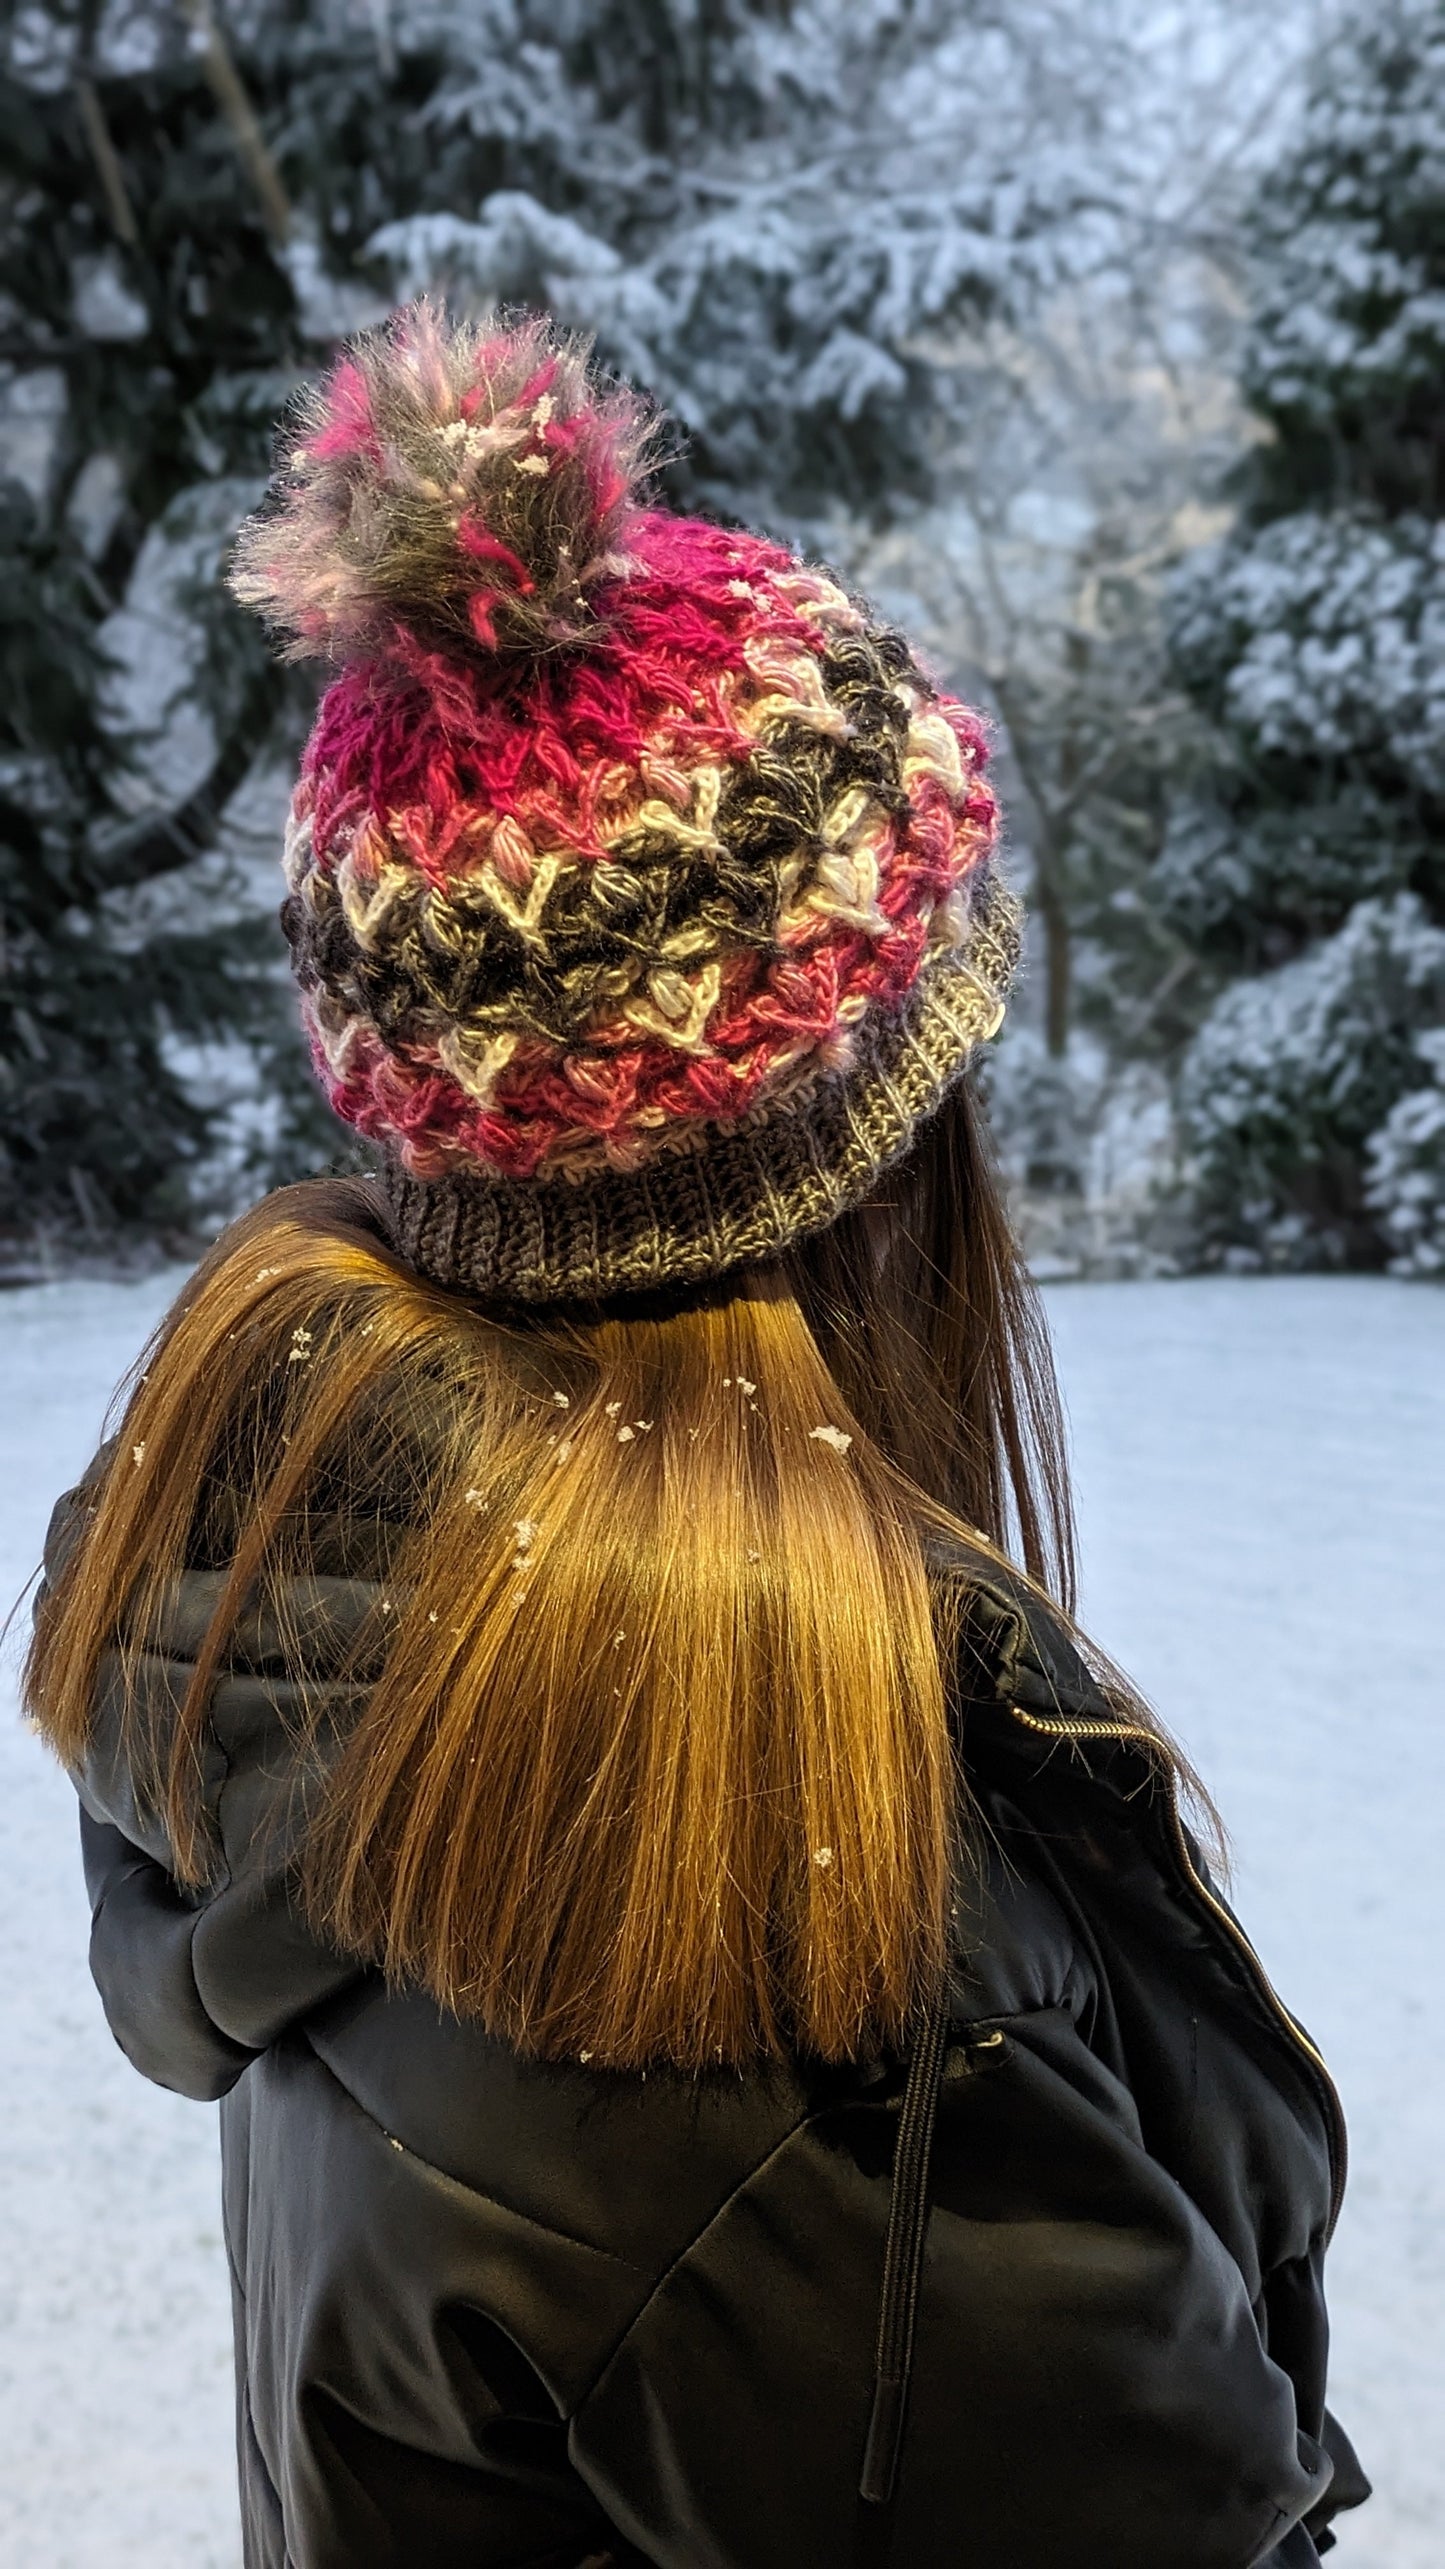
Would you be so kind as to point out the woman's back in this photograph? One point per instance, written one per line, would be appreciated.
(494, 2308)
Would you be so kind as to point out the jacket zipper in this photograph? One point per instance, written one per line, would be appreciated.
(1315, 2060)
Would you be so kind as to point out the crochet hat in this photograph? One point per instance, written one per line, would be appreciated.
(643, 891)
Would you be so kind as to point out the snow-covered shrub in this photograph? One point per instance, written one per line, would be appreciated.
(1324, 640)
(1237, 882)
(1406, 1169)
(1291, 1076)
(1086, 1150)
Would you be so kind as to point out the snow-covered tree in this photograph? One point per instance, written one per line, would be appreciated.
(97, 1127)
(1309, 870)
(150, 325)
(1097, 416)
(780, 214)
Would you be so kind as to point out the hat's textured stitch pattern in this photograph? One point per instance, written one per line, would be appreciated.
(642, 891)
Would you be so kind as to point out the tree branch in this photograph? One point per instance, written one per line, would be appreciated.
(231, 96)
(164, 842)
(107, 162)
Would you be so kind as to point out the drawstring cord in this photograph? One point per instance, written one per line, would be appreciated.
(903, 2255)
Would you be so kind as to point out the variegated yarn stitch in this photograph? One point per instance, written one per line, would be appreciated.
(643, 890)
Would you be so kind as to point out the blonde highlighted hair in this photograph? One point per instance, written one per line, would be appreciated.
(653, 1761)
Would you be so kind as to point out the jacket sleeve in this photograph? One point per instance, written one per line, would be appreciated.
(141, 1933)
(1348, 2484)
(195, 1983)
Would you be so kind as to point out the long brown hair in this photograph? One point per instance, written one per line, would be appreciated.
(653, 1758)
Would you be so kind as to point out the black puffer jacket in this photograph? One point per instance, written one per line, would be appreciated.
(491, 2312)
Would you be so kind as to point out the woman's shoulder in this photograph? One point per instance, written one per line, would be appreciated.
(1007, 1643)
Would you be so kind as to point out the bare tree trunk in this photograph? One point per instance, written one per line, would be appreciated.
(1053, 911)
(1053, 821)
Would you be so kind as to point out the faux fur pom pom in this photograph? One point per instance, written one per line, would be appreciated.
(450, 486)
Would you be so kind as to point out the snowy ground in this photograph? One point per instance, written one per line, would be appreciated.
(1262, 1484)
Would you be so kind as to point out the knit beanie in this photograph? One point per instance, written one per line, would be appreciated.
(642, 886)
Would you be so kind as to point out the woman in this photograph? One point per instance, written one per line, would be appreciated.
(729, 2056)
